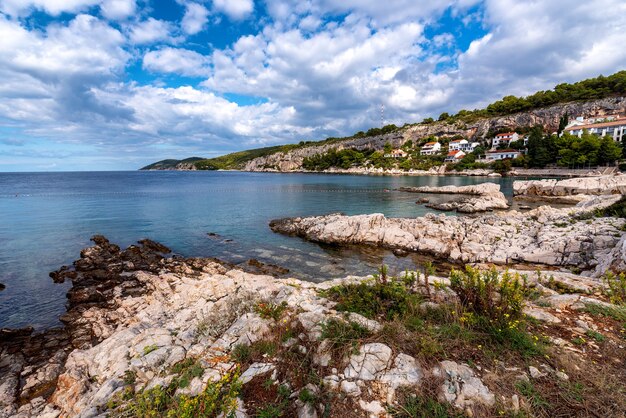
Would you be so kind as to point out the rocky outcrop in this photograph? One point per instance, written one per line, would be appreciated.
(542, 236)
(487, 196)
(602, 185)
(199, 311)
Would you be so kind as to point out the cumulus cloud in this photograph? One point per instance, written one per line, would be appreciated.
(235, 9)
(310, 68)
(118, 9)
(53, 7)
(195, 18)
(176, 61)
(150, 30)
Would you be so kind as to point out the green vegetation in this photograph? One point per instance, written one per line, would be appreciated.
(170, 164)
(149, 349)
(342, 335)
(186, 371)
(218, 399)
(269, 310)
(499, 298)
(616, 287)
(382, 299)
(569, 151)
(344, 158)
(413, 406)
(590, 89)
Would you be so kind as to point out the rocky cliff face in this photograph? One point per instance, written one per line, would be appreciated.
(548, 117)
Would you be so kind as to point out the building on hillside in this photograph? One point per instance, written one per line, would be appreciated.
(457, 144)
(454, 156)
(505, 154)
(397, 153)
(504, 139)
(430, 148)
(615, 129)
(462, 145)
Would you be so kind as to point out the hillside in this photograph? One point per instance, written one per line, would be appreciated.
(593, 97)
(172, 164)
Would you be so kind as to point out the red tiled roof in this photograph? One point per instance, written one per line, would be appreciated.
(430, 144)
(454, 153)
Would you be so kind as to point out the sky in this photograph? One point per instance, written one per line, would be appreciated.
(118, 84)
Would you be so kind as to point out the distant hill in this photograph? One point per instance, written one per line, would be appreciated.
(544, 107)
(172, 164)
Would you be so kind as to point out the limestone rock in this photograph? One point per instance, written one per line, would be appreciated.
(461, 386)
(371, 359)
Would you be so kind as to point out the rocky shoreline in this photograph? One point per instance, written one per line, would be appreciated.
(148, 329)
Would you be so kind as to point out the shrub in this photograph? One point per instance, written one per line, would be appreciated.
(270, 310)
(386, 300)
(217, 399)
(616, 287)
(343, 335)
(499, 299)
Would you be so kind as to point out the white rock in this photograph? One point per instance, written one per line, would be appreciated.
(371, 359)
(350, 388)
(461, 386)
(256, 369)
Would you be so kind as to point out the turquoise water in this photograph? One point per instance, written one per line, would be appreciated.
(47, 218)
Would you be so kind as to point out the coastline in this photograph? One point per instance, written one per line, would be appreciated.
(517, 172)
(139, 320)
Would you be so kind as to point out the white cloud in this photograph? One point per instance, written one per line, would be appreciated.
(53, 7)
(318, 67)
(196, 16)
(150, 30)
(118, 9)
(177, 61)
(235, 9)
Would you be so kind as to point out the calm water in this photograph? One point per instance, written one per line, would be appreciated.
(47, 218)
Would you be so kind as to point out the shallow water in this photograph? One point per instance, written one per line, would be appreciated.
(47, 218)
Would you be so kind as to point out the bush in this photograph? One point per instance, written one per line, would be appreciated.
(218, 399)
(616, 287)
(499, 299)
(386, 299)
(343, 335)
(270, 310)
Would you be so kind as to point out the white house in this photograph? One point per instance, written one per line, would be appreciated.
(430, 148)
(504, 138)
(504, 154)
(615, 128)
(454, 156)
(397, 153)
(457, 144)
(463, 145)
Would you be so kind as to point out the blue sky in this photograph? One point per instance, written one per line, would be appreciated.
(117, 84)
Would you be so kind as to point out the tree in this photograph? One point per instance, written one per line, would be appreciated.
(563, 122)
(387, 148)
(427, 121)
(609, 152)
(444, 116)
(539, 148)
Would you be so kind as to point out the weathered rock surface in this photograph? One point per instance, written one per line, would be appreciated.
(201, 309)
(602, 185)
(485, 197)
(541, 236)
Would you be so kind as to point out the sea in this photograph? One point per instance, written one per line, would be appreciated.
(47, 218)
